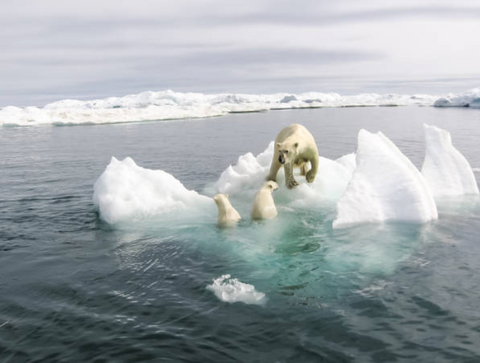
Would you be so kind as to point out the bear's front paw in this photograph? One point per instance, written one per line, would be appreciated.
(310, 177)
(291, 183)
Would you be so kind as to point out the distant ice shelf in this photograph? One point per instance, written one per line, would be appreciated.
(169, 105)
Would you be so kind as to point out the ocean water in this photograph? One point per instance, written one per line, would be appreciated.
(75, 289)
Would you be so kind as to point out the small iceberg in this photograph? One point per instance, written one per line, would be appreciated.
(445, 169)
(231, 290)
(385, 186)
(126, 192)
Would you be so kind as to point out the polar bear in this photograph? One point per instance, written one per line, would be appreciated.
(294, 147)
(227, 215)
(263, 205)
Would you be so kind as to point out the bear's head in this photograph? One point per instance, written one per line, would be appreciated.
(286, 152)
(221, 199)
(270, 185)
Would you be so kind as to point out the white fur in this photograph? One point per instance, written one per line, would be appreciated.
(296, 147)
(227, 215)
(263, 205)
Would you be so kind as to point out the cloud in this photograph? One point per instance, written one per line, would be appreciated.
(90, 49)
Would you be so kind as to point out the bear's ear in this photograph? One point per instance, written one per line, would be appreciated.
(278, 145)
(295, 145)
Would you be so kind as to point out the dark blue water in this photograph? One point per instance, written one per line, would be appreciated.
(74, 289)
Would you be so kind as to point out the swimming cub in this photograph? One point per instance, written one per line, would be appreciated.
(263, 205)
(227, 215)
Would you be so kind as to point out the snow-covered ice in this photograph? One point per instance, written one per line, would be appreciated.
(169, 105)
(446, 170)
(467, 99)
(232, 290)
(385, 186)
(249, 173)
(126, 192)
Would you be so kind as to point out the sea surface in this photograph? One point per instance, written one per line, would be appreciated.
(75, 289)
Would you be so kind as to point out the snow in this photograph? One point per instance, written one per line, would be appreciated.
(126, 192)
(248, 174)
(467, 99)
(232, 290)
(385, 186)
(169, 105)
(445, 169)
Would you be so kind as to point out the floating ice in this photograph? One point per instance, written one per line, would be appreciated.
(468, 99)
(248, 174)
(445, 169)
(169, 105)
(126, 192)
(385, 186)
(231, 291)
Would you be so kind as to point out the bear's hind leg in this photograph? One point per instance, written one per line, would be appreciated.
(313, 171)
(304, 167)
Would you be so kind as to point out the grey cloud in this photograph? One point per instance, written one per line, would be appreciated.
(324, 18)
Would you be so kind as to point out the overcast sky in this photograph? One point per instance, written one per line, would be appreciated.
(53, 49)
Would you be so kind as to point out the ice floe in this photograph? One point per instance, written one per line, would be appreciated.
(377, 183)
(248, 174)
(126, 192)
(446, 170)
(232, 290)
(385, 186)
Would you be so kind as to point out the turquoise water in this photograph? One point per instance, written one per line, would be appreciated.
(74, 289)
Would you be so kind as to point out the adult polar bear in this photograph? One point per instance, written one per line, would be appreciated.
(294, 147)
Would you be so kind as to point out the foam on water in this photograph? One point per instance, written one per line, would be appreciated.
(168, 105)
(385, 186)
(232, 290)
(126, 192)
(446, 170)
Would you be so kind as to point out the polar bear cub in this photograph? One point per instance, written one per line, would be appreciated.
(294, 147)
(263, 205)
(227, 215)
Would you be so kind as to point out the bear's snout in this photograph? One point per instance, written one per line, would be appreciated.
(281, 159)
